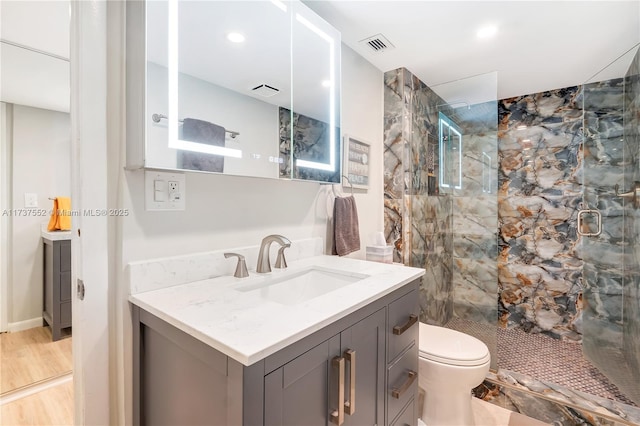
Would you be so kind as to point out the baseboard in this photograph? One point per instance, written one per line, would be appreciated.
(24, 325)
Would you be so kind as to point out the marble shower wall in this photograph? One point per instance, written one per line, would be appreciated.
(475, 216)
(452, 235)
(540, 193)
(631, 300)
(606, 163)
(417, 221)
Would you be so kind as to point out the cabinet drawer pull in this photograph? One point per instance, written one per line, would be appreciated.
(337, 369)
(399, 329)
(397, 392)
(350, 405)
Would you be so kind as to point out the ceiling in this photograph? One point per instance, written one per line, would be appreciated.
(34, 53)
(540, 45)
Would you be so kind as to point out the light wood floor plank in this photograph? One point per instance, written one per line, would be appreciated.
(53, 406)
(29, 356)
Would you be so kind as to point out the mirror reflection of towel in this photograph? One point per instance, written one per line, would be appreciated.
(346, 231)
(200, 131)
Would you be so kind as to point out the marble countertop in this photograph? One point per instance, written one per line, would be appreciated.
(55, 235)
(248, 328)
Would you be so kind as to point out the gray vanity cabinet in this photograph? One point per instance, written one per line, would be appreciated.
(306, 390)
(181, 380)
(57, 287)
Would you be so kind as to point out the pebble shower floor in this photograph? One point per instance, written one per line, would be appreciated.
(544, 358)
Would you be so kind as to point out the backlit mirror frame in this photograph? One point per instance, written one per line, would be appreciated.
(335, 147)
(447, 128)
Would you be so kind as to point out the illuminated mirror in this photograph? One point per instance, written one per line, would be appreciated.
(310, 134)
(450, 144)
(247, 88)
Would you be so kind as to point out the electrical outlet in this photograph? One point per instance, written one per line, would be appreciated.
(174, 191)
(164, 190)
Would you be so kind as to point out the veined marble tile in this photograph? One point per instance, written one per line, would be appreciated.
(543, 298)
(393, 213)
(475, 288)
(393, 157)
(604, 95)
(436, 295)
(394, 93)
(556, 404)
(604, 255)
(475, 215)
(541, 108)
(476, 247)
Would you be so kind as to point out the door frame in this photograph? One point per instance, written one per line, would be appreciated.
(89, 183)
(6, 194)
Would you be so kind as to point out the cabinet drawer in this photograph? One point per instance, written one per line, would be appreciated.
(403, 317)
(402, 381)
(408, 416)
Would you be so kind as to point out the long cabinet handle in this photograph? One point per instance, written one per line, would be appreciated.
(350, 405)
(397, 392)
(399, 329)
(337, 367)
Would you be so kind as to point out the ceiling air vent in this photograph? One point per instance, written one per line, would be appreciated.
(265, 90)
(378, 43)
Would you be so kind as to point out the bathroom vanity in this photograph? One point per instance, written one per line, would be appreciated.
(327, 341)
(56, 311)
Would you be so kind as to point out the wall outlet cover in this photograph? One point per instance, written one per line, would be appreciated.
(30, 200)
(164, 191)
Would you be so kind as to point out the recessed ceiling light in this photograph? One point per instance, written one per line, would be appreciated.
(521, 127)
(487, 32)
(235, 37)
(326, 83)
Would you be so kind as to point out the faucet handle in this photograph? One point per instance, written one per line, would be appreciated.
(241, 268)
(281, 262)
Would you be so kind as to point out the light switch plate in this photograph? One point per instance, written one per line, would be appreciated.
(30, 200)
(156, 191)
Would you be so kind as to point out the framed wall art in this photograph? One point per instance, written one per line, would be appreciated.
(356, 162)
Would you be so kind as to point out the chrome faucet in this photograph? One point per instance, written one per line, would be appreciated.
(264, 265)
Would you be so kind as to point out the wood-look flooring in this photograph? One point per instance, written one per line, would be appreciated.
(49, 407)
(29, 356)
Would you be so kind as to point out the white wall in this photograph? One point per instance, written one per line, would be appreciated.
(227, 211)
(41, 145)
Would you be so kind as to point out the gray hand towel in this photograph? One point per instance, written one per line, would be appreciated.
(202, 132)
(346, 232)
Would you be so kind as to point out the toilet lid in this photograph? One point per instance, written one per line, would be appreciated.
(451, 347)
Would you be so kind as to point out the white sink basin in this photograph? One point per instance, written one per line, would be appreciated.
(301, 286)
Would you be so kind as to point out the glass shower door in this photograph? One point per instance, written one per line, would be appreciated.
(609, 224)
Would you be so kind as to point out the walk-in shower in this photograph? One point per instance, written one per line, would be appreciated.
(521, 211)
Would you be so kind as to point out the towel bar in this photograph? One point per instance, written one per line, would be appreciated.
(333, 187)
(157, 117)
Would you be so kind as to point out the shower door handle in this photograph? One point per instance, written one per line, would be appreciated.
(598, 216)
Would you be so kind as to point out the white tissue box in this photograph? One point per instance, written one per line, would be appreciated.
(382, 254)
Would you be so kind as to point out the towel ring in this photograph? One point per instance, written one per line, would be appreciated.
(333, 187)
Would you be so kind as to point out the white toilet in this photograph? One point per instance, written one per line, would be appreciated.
(451, 365)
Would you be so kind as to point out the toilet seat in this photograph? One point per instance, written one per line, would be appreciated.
(451, 347)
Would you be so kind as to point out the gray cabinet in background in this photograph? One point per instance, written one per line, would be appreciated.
(57, 287)
(180, 380)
